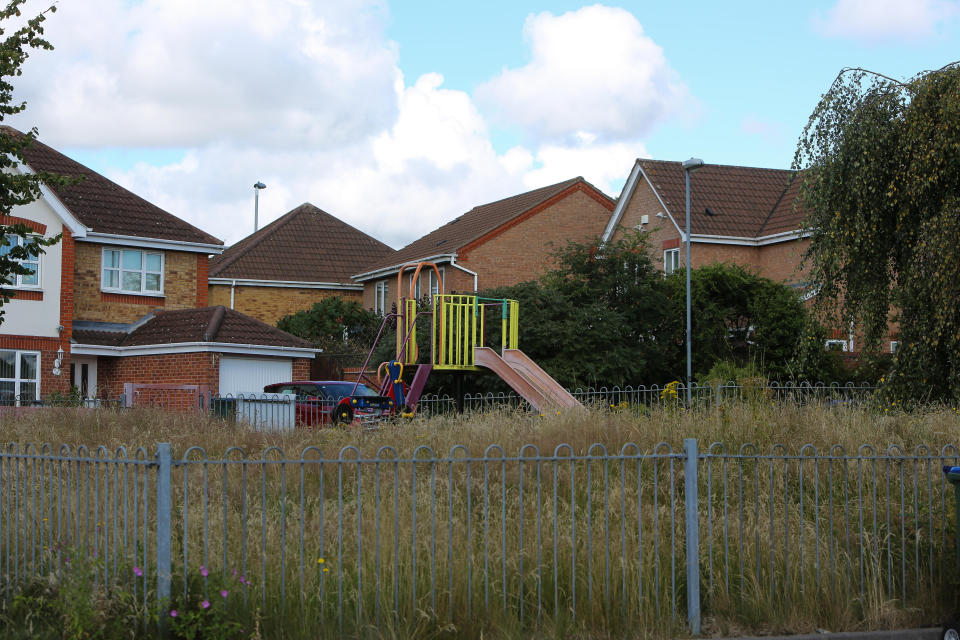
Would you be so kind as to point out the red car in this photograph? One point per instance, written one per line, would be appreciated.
(333, 401)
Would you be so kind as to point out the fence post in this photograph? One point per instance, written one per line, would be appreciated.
(163, 525)
(690, 486)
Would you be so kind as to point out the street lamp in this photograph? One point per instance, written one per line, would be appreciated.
(689, 166)
(256, 203)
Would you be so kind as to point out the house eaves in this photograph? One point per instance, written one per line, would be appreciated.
(386, 271)
(193, 347)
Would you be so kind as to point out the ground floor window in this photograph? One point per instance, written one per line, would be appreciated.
(671, 260)
(382, 295)
(19, 377)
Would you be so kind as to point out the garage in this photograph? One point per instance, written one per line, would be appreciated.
(250, 375)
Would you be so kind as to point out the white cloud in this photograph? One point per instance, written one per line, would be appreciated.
(308, 97)
(434, 163)
(179, 72)
(877, 21)
(592, 72)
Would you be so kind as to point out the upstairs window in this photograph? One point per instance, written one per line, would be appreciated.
(671, 261)
(132, 271)
(33, 264)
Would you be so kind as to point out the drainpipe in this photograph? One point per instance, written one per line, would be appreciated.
(233, 285)
(453, 263)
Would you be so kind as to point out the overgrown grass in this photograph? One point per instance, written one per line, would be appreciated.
(395, 536)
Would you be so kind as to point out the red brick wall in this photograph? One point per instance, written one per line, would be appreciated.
(178, 368)
(203, 271)
(781, 261)
(301, 369)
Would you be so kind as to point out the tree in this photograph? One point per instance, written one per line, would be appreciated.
(17, 189)
(598, 317)
(740, 317)
(880, 162)
(335, 325)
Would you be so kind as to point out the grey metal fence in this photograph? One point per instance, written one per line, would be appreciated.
(601, 539)
(638, 398)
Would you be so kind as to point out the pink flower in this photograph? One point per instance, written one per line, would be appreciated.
(173, 613)
(234, 573)
(224, 593)
(203, 571)
(205, 604)
(137, 571)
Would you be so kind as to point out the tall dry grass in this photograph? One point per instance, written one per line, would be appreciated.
(512, 546)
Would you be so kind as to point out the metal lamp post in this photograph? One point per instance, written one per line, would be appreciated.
(689, 166)
(256, 203)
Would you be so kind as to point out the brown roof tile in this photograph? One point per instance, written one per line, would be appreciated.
(306, 244)
(206, 324)
(476, 223)
(192, 325)
(743, 201)
(103, 205)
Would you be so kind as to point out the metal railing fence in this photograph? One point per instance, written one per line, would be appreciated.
(603, 540)
(641, 397)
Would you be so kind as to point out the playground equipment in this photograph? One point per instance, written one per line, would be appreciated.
(461, 328)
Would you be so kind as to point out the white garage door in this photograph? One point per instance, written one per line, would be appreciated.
(250, 375)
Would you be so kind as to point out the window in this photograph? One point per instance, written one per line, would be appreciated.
(33, 264)
(132, 271)
(381, 296)
(836, 345)
(434, 284)
(894, 346)
(671, 260)
(416, 288)
(19, 377)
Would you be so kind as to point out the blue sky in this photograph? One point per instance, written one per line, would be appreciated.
(399, 116)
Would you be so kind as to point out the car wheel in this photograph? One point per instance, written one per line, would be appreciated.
(951, 631)
(343, 415)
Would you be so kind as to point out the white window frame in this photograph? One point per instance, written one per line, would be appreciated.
(17, 379)
(416, 287)
(434, 284)
(894, 346)
(143, 271)
(17, 281)
(380, 296)
(844, 345)
(667, 267)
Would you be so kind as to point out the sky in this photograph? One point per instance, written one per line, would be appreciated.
(398, 116)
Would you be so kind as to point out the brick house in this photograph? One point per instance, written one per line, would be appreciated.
(742, 215)
(496, 244)
(301, 258)
(121, 265)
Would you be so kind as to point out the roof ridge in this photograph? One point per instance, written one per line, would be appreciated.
(776, 204)
(345, 223)
(710, 164)
(255, 239)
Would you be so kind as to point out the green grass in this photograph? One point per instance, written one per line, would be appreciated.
(498, 561)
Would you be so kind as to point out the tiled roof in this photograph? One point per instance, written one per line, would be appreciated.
(742, 201)
(103, 205)
(207, 324)
(304, 245)
(476, 223)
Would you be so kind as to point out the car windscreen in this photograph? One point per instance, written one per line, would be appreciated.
(338, 391)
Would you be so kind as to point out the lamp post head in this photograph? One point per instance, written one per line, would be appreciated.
(259, 185)
(692, 164)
